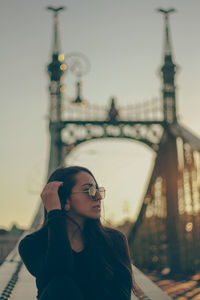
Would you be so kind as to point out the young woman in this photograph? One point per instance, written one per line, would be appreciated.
(73, 256)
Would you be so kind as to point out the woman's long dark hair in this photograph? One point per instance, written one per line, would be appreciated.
(105, 246)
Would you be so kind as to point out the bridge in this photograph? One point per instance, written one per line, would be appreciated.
(166, 229)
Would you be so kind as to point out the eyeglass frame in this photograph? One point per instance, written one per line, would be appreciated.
(93, 197)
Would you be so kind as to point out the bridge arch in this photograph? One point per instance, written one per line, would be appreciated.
(75, 133)
(123, 166)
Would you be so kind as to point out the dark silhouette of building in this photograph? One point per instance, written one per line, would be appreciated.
(8, 240)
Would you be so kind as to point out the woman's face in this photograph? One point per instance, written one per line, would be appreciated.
(81, 205)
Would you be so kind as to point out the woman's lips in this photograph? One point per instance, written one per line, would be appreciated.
(97, 207)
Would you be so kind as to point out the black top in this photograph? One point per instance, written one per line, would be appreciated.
(83, 276)
(47, 253)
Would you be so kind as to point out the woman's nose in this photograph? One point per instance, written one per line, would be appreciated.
(98, 195)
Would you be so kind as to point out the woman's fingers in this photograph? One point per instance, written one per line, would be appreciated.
(54, 185)
(50, 196)
(51, 187)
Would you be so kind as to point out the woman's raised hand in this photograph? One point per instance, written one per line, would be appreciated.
(50, 196)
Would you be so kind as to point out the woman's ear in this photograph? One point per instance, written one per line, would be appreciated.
(67, 205)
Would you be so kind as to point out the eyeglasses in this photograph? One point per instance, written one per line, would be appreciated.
(92, 192)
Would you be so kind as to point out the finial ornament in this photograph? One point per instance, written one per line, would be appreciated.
(166, 11)
(56, 9)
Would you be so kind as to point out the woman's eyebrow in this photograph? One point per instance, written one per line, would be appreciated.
(87, 184)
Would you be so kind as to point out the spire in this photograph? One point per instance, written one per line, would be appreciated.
(56, 39)
(113, 113)
(168, 71)
(167, 45)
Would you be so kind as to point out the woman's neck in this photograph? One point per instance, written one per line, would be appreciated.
(74, 232)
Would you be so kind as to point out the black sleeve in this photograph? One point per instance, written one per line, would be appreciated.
(50, 257)
(30, 252)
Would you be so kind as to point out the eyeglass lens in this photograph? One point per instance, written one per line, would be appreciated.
(93, 191)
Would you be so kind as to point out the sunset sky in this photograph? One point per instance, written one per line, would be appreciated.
(123, 41)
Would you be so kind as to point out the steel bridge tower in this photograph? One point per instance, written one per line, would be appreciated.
(56, 69)
(165, 236)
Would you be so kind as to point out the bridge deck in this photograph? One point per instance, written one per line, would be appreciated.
(15, 281)
(178, 287)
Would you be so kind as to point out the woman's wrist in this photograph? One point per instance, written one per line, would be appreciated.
(53, 214)
(54, 209)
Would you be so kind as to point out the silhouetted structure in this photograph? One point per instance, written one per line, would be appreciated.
(8, 240)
